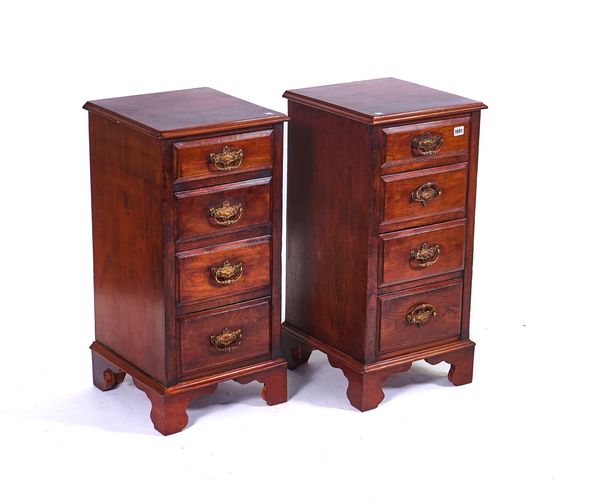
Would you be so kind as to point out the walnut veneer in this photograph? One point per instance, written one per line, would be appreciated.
(380, 215)
(186, 206)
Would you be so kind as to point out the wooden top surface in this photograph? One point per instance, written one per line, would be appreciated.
(186, 112)
(382, 101)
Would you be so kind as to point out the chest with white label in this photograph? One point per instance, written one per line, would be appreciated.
(381, 202)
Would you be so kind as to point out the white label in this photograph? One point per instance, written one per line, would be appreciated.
(459, 130)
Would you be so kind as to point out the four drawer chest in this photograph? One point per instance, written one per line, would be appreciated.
(186, 207)
(380, 220)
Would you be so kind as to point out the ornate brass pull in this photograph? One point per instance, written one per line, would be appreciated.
(427, 144)
(228, 273)
(421, 314)
(227, 159)
(226, 214)
(227, 340)
(426, 193)
(426, 255)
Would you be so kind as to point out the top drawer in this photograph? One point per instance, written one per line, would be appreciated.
(218, 156)
(426, 144)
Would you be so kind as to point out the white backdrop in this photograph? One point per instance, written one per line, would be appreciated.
(525, 430)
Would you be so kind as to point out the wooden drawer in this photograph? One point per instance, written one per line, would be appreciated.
(225, 336)
(223, 155)
(396, 332)
(421, 145)
(425, 196)
(422, 252)
(223, 270)
(223, 209)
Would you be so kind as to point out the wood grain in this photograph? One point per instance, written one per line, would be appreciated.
(126, 179)
(276, 239)
(328, 227)
(196, 282)
(352, 225)
(396, 333)
(397, 264)
(382, 101)
(198, 355)
(399, 152)
(192, 158)
(185, 112)
(194, 219)
(470, 240)
(400, 209)
(153, 240)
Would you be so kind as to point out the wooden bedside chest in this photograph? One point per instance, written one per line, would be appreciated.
(380, 217)
(186, 207)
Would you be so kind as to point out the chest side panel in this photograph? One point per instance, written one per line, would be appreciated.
(329, 199)
(126, 179)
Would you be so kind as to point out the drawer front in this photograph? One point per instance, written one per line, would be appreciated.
(418, 317)
(225, 336)
(422, 252)
(427, 144)
(426, 195)
(222, 209)
(223, 270)
(224, 155)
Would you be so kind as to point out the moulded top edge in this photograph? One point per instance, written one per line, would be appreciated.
(382, 101)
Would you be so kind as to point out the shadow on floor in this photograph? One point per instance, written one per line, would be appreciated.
(319, 384)
(127, 409)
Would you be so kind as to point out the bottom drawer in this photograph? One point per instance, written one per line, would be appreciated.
(417, 317)
(222, 337)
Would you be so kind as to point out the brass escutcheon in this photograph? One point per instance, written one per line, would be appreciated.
(427, 144)
(425, 193)
(421, 314)
(227, 340)
(426, 255)
(227, 159)
(227, 273)
(226, 214)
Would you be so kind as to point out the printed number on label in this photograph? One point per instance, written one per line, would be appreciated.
(459, 130)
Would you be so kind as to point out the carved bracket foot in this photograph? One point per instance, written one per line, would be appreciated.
(365, 390)
(294, 351)
(274, 382)
(169, 403)
(168, 412)
(106, 376)
(461, 365)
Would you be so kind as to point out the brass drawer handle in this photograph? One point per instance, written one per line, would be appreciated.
(227, 340)
(427, 144)
(226, 214)
(228, 273)
(421, 314)
(425, 255)
(227, 159)
(426, 193)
